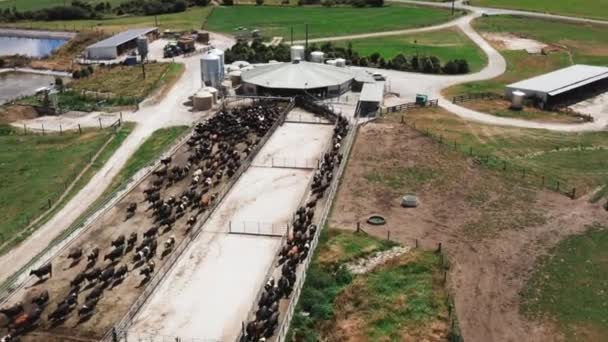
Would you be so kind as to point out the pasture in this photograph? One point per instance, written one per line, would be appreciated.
(575, 159)
(569, 286)
(191, 19)
(36, 168)
(491, 227)
(404, 297)
(322, 22)
(597, 9)
(446, 44)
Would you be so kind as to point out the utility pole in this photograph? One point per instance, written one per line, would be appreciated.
(453, 1)
(292, 35)
(143, 69)
(156, 20)
(306, 45)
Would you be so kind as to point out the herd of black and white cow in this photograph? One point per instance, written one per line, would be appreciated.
(216, 150)
(297, 246)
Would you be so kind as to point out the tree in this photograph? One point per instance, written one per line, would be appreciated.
(84, 73)
(374, 57)
(363, 62)
(59, 83)
(382, 63)
(450, 68)
(328, 3)
(463, 66)
(358, 3)
(415, 62)
(180, 6)
(259, 2)
(90, 69)
(228, 2)
(76, 74)
(375, 3)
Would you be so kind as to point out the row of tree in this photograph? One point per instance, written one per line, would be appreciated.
(79, 9)
(257, 52)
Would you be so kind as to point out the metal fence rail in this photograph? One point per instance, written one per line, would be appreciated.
(120, 329)
(276, 229)
(289, 163)
(134, 336)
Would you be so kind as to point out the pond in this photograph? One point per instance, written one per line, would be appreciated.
(31, 47)
(16, 84)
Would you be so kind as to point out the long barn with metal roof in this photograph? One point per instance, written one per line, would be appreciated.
(118, 44)
(563, 85)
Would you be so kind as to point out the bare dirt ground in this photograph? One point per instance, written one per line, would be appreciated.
(210, 291)
(11, 113)
(491, 228)
(512, 42)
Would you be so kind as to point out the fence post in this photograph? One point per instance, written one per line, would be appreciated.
(504, 165)
(358, 226)
(523, 172)
(49, 203)
(557, 185)
(439, 247)
(100, 127)
(573, 193)
(42, 129)
(24, 130)
(79, 129)
(60, 130)
(388, 235)
(543, 181)
(471, 151)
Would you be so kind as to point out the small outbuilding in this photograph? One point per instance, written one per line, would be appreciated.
(563, 86)
(120, 43)
(372, 97)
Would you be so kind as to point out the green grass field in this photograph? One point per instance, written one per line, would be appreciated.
(29, 5)
(193, 18)
(575, 159)
(323, 22)
(597, 9)
(403, 297)
(581, 43)
(569, 287)
(35, 168)
(446, 44)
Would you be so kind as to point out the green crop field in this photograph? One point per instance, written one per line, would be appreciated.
(323, 22)
(193, 18)
(577, 43)
(581, 8)
(569, 287)
(445, 44)
(36, 168)
(29, 5)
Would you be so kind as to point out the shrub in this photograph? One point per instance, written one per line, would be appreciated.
(84, 73)
(450, 68)
(259, 2)
(201, 2)
(228, 2)
(375, 3)
(76, 74)
(90, 69)
(328, 3)
(358, 3)
(59, 82)
(463, 66)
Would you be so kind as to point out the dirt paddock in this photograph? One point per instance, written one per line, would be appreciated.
(115, 301)
(492, 229)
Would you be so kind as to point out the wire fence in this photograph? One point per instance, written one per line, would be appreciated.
(408, 106)
(506, 167)
(120, 329)
(133, 336)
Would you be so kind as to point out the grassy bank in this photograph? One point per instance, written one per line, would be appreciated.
(597, 9)
(574, 44)
(569, 287)
(575, 159)
(30, 5)
(114, 87)
(36, 168)
(401, 298)
(323, 22)
(446, 44)
(191, 19)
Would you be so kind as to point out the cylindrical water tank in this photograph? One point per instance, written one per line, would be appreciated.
(517, 100)
(212, 91)
(317, 56)
(331, 62)
(211, 70)
(297, 52)
(340, 62)
(235, 77)
(202, 101)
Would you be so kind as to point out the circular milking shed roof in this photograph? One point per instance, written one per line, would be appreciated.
(297, 75)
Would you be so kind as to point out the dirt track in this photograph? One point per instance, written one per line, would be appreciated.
(492, 229)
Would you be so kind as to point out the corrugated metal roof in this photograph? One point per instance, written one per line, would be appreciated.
(302, 75)
(372, 92)
(122, 37)
(563, 80)
(363, 76)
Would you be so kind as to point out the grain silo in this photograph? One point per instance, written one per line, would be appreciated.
(220, 54)
(235, 77)
(211, 70)
(212, 91)
(317, 56)
(297, 53)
